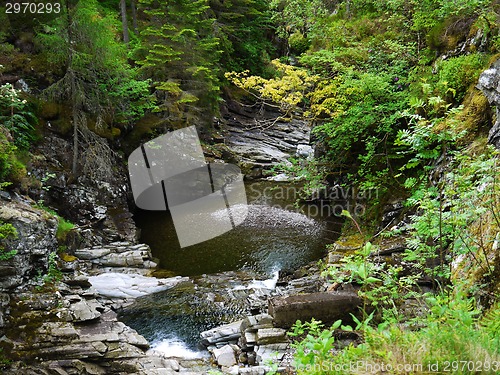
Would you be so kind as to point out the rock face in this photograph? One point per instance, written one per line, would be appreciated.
(263, 139)
(70, 332)
(124, 257)
(99, 203)
(327, 307)
(35, 240)
(489, 84)
(61, 324)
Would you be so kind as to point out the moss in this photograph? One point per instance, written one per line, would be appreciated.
(446, 35)
(474, 118)
(115, 132)
(67, 257)
(478, 146)
(49, 110)
(17, 172)
(63, 228)
(163, 274)
(350, 242)
(246, 168)
(143, 130)
(298, 43)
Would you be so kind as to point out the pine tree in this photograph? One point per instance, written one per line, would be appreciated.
(180, 54)
(97, 81)
(244, 29)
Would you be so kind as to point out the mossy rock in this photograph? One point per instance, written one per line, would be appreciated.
(67, 257)
(448, 34)
(246, 168)
(163, 274)
(115, 132)
(61, 126)
(49, 111)
(143, 130)
(474, 118)
(348, 243)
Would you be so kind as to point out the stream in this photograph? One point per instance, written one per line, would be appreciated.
(227, 271)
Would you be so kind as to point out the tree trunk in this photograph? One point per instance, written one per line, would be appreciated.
(134, 15)
(73, 94)
(74, 168)
(123, 6)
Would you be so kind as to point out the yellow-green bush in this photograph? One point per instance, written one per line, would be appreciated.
(461, 72)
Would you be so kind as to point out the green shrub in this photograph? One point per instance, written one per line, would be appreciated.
(7, 156)
(298, 43)
(459, 73)
(16, 116)
(63, 228)
(7, 231)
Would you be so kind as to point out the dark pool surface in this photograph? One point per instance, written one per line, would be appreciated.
(275, 235)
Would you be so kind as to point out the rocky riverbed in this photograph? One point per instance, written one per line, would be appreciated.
(62, 314)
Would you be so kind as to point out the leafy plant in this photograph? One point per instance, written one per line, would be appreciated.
(16, 116)
(7, 231)
(461, 72)
(315, 349)
(53, 274)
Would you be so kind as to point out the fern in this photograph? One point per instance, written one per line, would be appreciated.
(491, 321)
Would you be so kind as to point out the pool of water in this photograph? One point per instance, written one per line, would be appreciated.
(276, 234)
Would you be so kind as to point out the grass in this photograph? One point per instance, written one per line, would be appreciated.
(455, 338)
(63, 228)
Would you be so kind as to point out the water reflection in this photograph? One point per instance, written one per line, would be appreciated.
(275, 235)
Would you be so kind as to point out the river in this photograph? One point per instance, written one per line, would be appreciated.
(277, 235)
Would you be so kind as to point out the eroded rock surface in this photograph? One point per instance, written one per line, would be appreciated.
(489, 84)
(58, 323)
(262, 139)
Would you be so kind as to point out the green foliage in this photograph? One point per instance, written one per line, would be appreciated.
(364, 114)
(53, 273)
(16, 116)
(242, 27)
(7, 231)
(296, 20)
(452, 329)
(4, 361)
(131, 97)
(453, 215)
(179, 53)
(63, 228)
(314, 349)
(311, 172)
(459, 73)
(7, 155)
(357, 268)
(451, 335)
(97, 77)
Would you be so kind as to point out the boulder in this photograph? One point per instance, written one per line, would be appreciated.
(324, 306)
(228, 333)
(120, 285)
(271, 336)
(225, 356)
